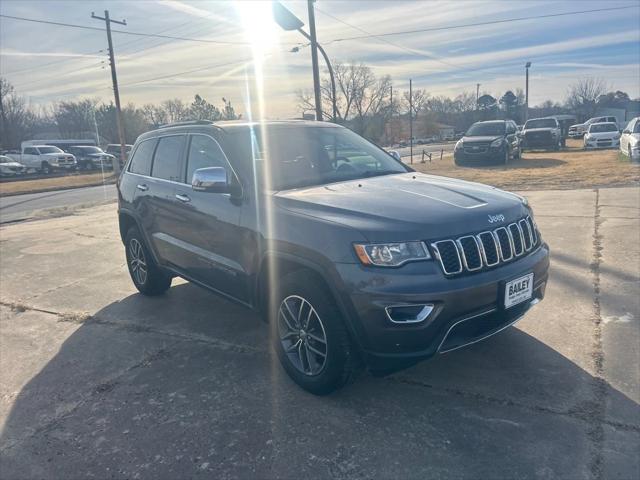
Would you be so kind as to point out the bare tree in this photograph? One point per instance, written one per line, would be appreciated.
(17, 121)
(419, 100)
(75, 118)
(582, 96)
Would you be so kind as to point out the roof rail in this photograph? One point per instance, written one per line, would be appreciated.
(187, 122)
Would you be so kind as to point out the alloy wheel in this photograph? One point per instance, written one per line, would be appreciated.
(302, 335)
(137, 261)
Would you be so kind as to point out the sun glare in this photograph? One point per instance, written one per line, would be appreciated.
(259, 27)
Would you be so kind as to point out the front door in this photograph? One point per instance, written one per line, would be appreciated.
(209, 225)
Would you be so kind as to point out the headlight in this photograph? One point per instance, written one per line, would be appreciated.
(458, 146)
(497, 142)
(391, 254)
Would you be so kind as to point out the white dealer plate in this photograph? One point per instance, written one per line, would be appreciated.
(518, 290)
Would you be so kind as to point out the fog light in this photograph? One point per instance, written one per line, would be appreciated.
(408, 313)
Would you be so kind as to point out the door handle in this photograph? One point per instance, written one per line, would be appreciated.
(142, 187)
(183, 198)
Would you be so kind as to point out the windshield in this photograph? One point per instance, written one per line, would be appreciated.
(90, 149)
(540, 123)
(300, 156)
(486, 129)
(49, 150)
(603, 127)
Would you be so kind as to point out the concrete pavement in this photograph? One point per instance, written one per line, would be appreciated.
(96, 380)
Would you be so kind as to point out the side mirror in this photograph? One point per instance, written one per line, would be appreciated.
(211, 179)
(625, 131)
(395, 154)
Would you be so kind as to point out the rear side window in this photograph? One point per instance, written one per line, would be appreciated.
(141, 161)
(203, 152)
(30, 151)
(166, 162)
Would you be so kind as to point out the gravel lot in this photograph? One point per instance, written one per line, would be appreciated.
(98, 381)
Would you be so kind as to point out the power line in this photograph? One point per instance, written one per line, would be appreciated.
(371, 35)
(81, 56)
(477, 24)
(126, 32)
(209, 67)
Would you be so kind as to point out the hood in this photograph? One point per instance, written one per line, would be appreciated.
(482, 139)
(603, 134)
(541, 129)
(409, 206)
(11, 164)
(578, 125)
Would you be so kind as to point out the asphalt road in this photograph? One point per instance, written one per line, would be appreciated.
(97, 381)
(21, 207)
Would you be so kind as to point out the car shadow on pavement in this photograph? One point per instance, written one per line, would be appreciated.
(184, 384)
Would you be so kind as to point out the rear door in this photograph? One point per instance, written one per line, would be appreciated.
(166, 172)
(209, 224)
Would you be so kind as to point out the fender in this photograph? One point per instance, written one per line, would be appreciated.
(136, 218)
(326, 277)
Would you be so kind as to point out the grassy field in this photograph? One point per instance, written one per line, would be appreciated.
(55, 183)
(541, 170)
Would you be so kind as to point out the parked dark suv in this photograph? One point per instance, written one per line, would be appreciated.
(490, 142)
(353, 257)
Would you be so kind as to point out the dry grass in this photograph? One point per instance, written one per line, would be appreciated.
(55, 183)
(540, 170)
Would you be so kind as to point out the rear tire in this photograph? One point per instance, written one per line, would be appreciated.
(310, 336)
(149, 278)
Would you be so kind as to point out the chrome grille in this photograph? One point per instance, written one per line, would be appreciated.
(471, 253)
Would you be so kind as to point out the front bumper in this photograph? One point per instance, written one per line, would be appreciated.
(602, 144)
(466, 308)
(484, 155)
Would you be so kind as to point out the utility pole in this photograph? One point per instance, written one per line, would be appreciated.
(314, 59)
(526, 95)
(477, 94)
(116, 92)
(411, 119)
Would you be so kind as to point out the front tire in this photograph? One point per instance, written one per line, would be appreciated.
(310, 336)
(45, 168)
(149, 278)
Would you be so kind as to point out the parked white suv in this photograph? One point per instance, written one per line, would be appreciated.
(630, 139)
(602, 135)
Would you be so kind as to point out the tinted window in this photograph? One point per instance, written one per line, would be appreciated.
(486, 129)
(166, 163)
(541, 123)
(636, 129)
(141, 161)
(203, 152)
(30, 151)
(50, 150)
(603, 127)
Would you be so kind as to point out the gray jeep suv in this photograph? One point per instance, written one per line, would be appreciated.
(354, 259)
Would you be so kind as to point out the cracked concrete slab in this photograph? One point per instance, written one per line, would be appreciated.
(113, 384)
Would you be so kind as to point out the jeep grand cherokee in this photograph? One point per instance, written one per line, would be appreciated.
(354, 258)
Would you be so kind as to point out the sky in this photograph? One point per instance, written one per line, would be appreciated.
(244, 56)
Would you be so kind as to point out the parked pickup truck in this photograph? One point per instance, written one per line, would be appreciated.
(578, 130)
(45, 158)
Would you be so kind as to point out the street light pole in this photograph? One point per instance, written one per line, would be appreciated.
(289, 22)
(331, 75)
(314, 59)
(526, 95)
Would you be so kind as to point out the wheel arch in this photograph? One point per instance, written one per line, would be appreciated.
(285, 264)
